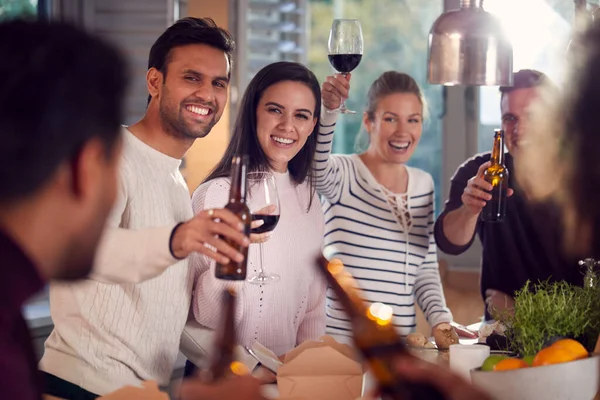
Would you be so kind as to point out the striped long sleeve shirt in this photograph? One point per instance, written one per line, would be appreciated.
(393, 261)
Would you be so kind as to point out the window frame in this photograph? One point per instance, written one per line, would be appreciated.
(459, 143)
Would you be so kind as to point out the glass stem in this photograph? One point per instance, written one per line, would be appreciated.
(343, 105)
(261, 273)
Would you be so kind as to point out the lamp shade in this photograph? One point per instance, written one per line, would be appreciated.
(469, 47)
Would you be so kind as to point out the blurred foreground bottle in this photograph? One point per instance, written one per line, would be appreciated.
(222, 361)
(374, 336)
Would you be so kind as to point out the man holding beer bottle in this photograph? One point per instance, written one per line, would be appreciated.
(123, 325)
(521, 241)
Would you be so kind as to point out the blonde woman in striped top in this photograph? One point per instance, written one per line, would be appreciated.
(379, 212)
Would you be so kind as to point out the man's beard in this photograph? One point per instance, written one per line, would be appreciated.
(176, 126)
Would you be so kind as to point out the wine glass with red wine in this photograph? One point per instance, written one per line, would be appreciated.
(345, 49)
(264, 207)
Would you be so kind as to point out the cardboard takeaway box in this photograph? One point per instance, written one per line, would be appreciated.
(317, 370)
(321, 370)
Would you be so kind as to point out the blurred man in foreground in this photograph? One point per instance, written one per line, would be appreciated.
(60, 113)
(60, 110)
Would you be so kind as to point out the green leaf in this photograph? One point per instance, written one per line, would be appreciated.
(546, 310)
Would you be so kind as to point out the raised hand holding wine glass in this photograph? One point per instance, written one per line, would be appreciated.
(265, 211)
(345, 49)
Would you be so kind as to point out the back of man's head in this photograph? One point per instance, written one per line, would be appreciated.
(188, 31)
(60, 88)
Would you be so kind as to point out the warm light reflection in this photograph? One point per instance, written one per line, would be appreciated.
(380, 313)
(238, 368)
(539, 35)
(536, 31)
(335, 266)
(491, 57)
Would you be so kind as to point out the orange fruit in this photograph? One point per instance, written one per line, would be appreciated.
(510, 363)
(553, 355)
(573, 346)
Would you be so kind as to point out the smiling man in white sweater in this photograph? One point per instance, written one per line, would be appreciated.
(124, 324)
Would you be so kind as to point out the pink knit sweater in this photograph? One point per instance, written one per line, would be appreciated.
(278, 315)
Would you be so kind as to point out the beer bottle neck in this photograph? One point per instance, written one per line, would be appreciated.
(238, 190)
(498, 149)
(344, 287)
(350, 301)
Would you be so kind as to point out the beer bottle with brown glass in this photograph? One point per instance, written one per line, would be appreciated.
(497, 175)
(233, 270)
(222, 360)
(374, 336)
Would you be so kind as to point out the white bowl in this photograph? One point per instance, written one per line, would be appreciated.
(575, 380)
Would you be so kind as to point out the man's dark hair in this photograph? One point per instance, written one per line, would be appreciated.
(61, 87)
(188, 31)
(525, 79)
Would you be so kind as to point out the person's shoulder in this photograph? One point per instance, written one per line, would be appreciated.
(350, 157)
(214, 186)
(216, 183)
(419, 173)
(207, 192)
(129, 166)
(132, 158)
(420, 182)
(477, 160)
(469, 168)
(131, 143)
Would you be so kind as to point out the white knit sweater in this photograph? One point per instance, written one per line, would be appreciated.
(278, 315)
(109, 334)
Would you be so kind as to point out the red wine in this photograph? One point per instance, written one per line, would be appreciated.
(270, 222)
(345, 63)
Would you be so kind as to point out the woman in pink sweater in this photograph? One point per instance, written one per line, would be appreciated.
(277, 127)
